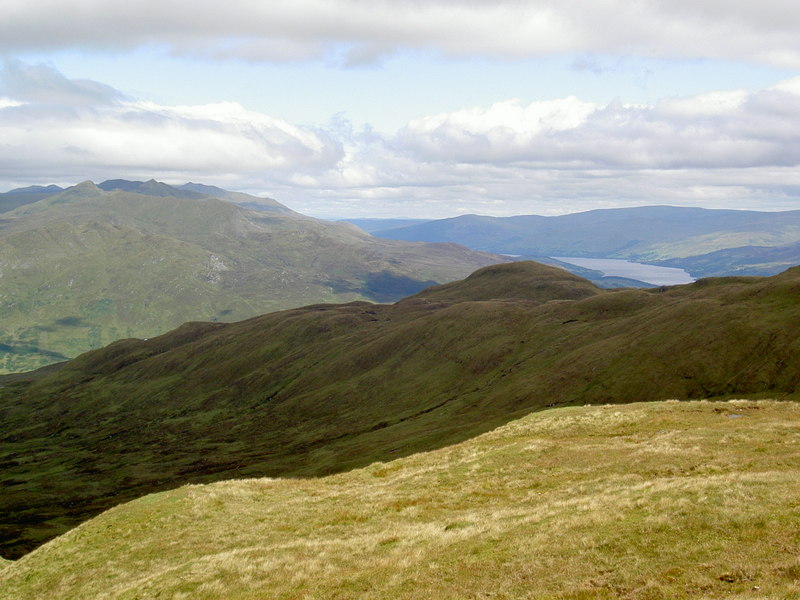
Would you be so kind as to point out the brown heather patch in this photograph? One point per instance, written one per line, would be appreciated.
(644, 501)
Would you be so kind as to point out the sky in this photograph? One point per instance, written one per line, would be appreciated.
(407, 108)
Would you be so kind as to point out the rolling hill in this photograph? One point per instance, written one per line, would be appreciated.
(325, 388)
(705, 242)
(650, 500)
(82, 267)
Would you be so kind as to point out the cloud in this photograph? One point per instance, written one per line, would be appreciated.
(364, 30)
(506, 131)
(45, 85)
(729, 148)
(732, 149)
(49, 123)
(713, 130)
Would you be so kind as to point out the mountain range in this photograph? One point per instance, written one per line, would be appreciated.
(393, 446)
(326, 388)
(704, 242)
(84, 266)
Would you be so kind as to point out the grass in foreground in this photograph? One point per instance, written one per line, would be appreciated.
(657, 500)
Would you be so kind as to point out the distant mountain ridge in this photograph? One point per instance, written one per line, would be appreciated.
(707, 242)
(376, 225)
(37, 189)
(20, 196)
(148, 188)
(26, 195)
(87, 265)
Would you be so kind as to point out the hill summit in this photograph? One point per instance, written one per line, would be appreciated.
(525, 280)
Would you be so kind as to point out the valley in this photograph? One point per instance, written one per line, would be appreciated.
(704, 242)
(328, 388)
(443, 300)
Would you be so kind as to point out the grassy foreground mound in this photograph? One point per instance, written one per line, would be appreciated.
(326, 388)
(651, 500)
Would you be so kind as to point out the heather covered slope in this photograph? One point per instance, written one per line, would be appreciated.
(89, 265)
(662, 500)
(524, 281)
(326, 388)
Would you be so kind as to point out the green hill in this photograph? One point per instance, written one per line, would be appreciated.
(89, 265)
(325, 388)
(524, 280)
(650, 501)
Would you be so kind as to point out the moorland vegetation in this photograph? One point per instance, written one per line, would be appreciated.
(328, 388)
(662, 500)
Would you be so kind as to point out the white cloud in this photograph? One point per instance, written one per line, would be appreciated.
(733, 149)
(44, 85)
(506, 131)
(7, 103)
(713, 130)
(708, 104)
(764, 31)
(112, 134)
(726, 148)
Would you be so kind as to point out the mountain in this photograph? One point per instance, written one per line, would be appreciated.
(325, 388)
(649, 500)
(94, 263)
(245, 200)
(37, 190)
(375, 225)
(20, 196)
(745, 260)
(149, 188)
(705, 242)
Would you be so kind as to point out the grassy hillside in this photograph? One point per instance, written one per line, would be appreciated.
(704, 242)
(746, 260)
(325, 388)
(84, 267)
(523, 280)
(650, 501)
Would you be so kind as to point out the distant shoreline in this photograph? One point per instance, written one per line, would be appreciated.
(616, 267)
